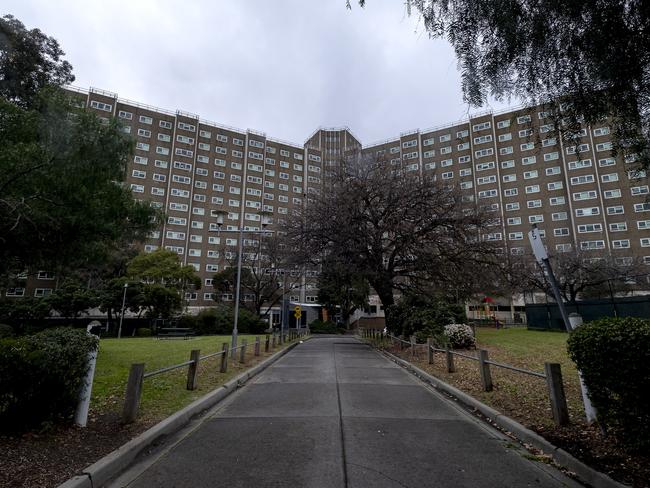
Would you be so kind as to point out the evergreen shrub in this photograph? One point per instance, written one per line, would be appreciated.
(41, 376)
(613, 355)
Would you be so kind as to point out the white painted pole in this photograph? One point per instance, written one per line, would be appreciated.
(119, 330)
(575, 320)
(81, 413)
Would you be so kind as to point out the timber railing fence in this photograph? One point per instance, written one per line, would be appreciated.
(137, 374)
(552, 371)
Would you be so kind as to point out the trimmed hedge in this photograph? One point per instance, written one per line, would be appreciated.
(613, 355)
(40, 377)
(219, 320)
(327, 327)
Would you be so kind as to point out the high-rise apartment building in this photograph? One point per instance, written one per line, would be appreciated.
(581, 196)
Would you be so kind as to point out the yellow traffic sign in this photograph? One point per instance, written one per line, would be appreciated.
(297, 311)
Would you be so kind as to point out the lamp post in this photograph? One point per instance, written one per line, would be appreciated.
(266, 220)
(119, 330)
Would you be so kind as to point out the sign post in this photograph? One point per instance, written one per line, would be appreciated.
(297, 313)
(542, 258)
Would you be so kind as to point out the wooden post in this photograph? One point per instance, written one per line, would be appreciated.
(486, 377)
(450, 361)
(412, 346)
(242, 352)
(429, 350)
(556, 393)
(273, 342)
(193, 369)
(133, 393)
(224, 358)
(257, 346)
(267, 343)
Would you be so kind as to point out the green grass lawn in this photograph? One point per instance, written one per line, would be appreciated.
(166, 393)
(531, 347)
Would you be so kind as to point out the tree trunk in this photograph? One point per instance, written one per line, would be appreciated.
(384, 290)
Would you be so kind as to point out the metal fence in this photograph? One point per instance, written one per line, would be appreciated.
(546, 316)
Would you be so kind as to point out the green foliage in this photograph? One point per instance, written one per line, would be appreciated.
(40, 376)
(163, 266)
(220, 320)
(72, 298)
(6, 331)
(418, 313)
(460, 336)
(63, 205)
(612, 354)
(338, 286)
(162, 280)
(217, 320)
(324, 327)
(29, 62)
(593, 56)
(143, 332)
(250, 323)
(16, 312)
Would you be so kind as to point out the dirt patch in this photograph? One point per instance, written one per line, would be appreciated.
(50, 458)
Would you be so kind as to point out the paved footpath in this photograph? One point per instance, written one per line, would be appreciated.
(335, 413)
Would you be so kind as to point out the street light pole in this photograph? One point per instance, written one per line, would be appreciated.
(239, 253)
(265, 219)
(119, 330)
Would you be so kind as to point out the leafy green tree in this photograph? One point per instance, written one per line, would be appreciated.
(62, 201)
(339, 287)
(19, 311)
(71, 298)
(164, 281)
(29, 62)
(591, 56)
(428, 315)
(111, 295)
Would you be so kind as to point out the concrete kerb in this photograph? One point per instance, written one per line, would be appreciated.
(98, 473)
(584, 473)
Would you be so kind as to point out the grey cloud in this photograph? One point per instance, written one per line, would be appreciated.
(283, 67)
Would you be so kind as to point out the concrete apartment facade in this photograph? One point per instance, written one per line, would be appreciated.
(580, 197)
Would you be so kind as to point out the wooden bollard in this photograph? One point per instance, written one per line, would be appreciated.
(242, 352)
(267, 343)
(273, 342)
(133, 393)
(556, 393)
(429, 349)
(450, 361)
(257, 346)
(486, 377)
(193, 369)
(412, 346)
(224, 357)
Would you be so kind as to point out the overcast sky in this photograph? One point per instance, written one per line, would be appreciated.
(283, 67)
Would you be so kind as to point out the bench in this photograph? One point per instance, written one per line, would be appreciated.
(175, 333)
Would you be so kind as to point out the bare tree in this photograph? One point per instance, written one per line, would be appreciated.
(270, 270)
(399, 230)
(580, 275)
